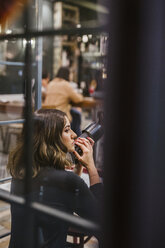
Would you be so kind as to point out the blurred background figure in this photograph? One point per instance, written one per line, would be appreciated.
(45, 81)
(93, 86)
(61, 95)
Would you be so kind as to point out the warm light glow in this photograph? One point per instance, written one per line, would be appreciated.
(79, 25)
(8, 31)
(85, 38)
(24, 43)
(32, 41)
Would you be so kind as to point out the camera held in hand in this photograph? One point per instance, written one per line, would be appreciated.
(94, 131)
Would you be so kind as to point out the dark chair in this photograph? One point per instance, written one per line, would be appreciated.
(79, 238)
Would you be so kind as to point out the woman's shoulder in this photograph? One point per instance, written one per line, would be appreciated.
(53, 176)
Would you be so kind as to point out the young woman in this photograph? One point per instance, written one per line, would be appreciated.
(52, 184)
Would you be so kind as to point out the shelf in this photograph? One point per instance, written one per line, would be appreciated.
(94, 54)
(69, 43)
(68, 19)
(65, 16)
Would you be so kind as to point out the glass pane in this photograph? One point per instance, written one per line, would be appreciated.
(86, 56)
(16, 21)
(12, 66)
(79, 14)
(12, 76)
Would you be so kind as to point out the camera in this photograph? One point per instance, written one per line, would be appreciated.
(94, 131)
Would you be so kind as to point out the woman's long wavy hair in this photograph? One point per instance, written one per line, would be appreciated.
(48, 149)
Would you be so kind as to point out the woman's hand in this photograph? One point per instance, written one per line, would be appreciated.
(86, 145)
(86, 158)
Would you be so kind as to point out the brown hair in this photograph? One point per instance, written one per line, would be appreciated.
(48, 149)
(63, 73)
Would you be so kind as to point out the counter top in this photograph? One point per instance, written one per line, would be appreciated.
(88, 102)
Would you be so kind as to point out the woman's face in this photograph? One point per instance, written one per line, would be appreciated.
(68, 136)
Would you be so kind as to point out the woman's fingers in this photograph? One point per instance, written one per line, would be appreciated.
(91, 141)
(86, 158)
(77, 155)
(84, 141)
(79, 143)
(79, 159)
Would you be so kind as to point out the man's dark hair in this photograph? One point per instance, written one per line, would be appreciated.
(63, 73)
(45, 74)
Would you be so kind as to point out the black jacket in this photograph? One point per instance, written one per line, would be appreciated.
(62, 190)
